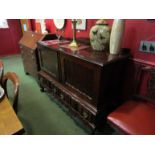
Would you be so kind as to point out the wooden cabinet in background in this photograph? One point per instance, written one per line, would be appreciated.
(87, 82)
(28, 46)
(25, 25)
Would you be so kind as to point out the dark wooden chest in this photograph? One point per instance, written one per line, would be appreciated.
(87, 82)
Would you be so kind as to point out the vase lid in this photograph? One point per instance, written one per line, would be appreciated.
(101, 22)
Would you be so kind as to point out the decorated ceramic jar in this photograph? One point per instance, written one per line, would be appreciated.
(100, 35)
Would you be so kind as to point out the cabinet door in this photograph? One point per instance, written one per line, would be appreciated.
(81, 76)
(49, 61)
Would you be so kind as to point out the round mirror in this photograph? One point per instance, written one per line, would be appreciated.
(59, 23)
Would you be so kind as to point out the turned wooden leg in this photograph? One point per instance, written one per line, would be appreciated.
(42, 89)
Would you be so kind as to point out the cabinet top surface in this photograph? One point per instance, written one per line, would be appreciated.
(84, 52)
(29, 39)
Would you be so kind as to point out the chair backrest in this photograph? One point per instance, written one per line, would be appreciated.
(151, 85)
(145, 83)
(1, 71)
(15, 81)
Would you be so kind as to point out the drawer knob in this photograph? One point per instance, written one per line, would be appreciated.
(62, 96)
(85, 115)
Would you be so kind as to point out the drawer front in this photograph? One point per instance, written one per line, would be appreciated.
(83, 112)
(61, 95)
(74, 105)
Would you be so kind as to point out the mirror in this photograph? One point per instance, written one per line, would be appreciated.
(59, 23)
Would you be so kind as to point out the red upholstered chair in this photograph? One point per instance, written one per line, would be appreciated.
(137, 116)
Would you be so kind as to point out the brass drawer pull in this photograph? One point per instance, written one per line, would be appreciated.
(85, 115)
(62, 96)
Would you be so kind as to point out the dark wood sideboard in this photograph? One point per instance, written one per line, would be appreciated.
(28, 46)
(87, 82)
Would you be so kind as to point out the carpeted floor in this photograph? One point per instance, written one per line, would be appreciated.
(39, 113)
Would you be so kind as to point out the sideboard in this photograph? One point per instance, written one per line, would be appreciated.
(87, 82)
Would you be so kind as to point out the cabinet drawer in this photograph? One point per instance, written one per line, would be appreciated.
(87, 115)
(63, 97)
(82, 111)
(76, 106)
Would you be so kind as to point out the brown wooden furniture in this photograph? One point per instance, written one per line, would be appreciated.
(85, 81)
(25, 25)
(28, 48)
(9, 122)
(1, 71)
(15, 81)
(137, 115)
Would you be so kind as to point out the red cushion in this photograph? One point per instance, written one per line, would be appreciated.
(134, 117)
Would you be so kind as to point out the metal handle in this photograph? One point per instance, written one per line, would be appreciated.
(62, 96)
(85, 115)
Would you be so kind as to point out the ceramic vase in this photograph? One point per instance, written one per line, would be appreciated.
(100, 35)
(116, 35)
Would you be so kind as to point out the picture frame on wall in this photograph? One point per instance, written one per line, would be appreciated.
(4, 24)
(41, 26)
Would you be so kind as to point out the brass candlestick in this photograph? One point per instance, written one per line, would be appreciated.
(74, 44)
